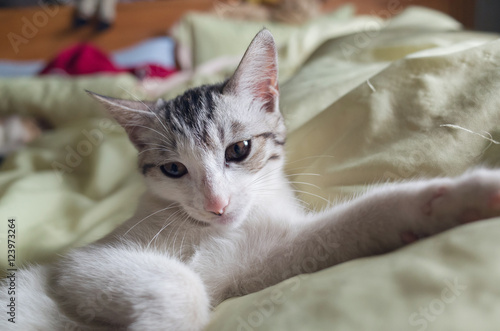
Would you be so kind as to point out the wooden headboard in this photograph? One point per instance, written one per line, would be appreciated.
(39, 33)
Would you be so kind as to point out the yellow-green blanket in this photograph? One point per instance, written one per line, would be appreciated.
(366, 101)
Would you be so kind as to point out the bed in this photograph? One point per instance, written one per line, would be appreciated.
(366, 101)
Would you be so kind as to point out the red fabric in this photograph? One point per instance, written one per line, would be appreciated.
(84, 59)
(151, 70)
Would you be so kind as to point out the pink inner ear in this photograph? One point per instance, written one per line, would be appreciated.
(269, 93)
(257, 73)
(267, 89)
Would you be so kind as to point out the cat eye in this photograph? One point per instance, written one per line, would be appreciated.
(238, 152)
(174, 169)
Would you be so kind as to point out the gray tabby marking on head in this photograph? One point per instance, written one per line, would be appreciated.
(188, 114)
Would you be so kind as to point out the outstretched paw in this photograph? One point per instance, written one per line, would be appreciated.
(450, 202)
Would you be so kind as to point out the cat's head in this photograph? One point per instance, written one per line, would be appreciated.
(215, 149)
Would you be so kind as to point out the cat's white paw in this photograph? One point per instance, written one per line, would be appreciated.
(447, 203)
(179, 302)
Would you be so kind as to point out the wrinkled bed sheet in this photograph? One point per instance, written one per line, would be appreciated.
(366, 101)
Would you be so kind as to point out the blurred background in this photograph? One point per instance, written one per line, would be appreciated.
(156, 39)
(113, 24)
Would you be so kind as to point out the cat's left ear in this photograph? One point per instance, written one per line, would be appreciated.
(133, 116)
(257, 73)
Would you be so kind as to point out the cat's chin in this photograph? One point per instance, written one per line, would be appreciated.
(219, 221)
(222, 221)
(225, 220)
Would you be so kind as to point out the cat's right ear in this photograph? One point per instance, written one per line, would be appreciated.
(133, 116)
(257, 73)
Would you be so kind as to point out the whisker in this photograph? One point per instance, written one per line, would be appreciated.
(147, 127)
(154, 144)
(305, 183)
(267, 190)
(314, 195)
(277, 169)
(175, 236)
(303, 174)
(179, 227)
(154, 148)
(145, 218)
(149, 108)
(308, 158)
(164, 226)
(184, 221)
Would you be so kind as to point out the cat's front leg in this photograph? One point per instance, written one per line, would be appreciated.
(394, 215)
(122, 287)
(450, 202)
(382, 220)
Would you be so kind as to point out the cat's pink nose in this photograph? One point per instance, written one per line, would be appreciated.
(216, 206)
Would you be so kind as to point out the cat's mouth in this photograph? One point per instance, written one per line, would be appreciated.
(223, 220)
(202, 219)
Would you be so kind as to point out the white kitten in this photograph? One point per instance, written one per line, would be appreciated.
(219, 218)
